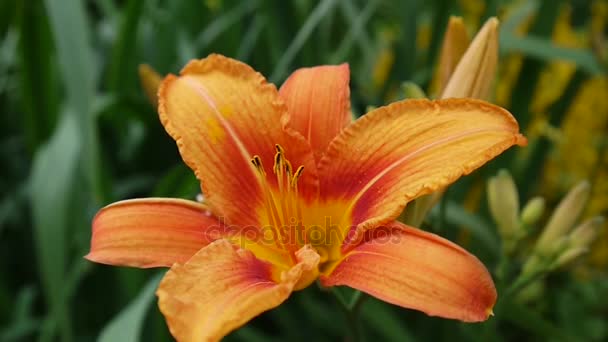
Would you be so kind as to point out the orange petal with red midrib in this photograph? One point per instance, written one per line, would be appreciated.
(410, 148)
(221, 113)
(318, 101)
(418, 270)
(152, 232)
(222, 287)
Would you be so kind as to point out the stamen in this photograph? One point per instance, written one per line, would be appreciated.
(277, 162)
(287, 236)
(257, 162)
(288, 169)
(294, 184)
(271, 210)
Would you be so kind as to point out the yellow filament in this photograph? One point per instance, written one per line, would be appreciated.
(270, 209)
(288, 200)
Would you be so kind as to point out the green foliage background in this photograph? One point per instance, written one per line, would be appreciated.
(77, 133)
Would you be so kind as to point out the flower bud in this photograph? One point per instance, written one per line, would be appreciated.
(586, 232)
(150, 81)
(544, 260)
(533, 211)
(474, 74)
(564, 216)
(503, 201)
(568, 256)
(412, 91)
(455, 43)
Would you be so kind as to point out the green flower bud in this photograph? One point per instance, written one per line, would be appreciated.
(564, 216)
(533, 211)
(503, 200)
(586, 232)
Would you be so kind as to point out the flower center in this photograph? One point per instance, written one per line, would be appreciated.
(282, 205)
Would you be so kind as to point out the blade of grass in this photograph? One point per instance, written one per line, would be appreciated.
(519, 12)
(36, 79)
(441, 14)
(70, 29)
(533, 323)
(24, 324)
(533, 165)
(251, 37)
(107, 7)
(51, 180)
(324, 8)
(128, 324)
(480, 229)
(356, 33)
(122, 76)
(523, 90)
(545, 50)
(381, 320)
(224, 22)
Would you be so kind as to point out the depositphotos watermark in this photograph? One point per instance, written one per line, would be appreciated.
(324, 234)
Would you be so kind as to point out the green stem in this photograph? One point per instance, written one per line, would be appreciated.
(523, 281)
(351, 311)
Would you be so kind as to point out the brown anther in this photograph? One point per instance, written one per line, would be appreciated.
(257, 163)
(297, 175)
(288, 168)
(277, 162)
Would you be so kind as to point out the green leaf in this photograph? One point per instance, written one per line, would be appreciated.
(224, 22)
(23, 324)
(70, 29)
(356, 33)
(36, 80)
(51, 183)
(127, 325)
(324, 8)
(122, 77)
(520, 11)
(533, 322)
(480, 229)
(381, 319)
(545, 50)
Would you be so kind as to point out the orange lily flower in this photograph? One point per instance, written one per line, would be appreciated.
(295, 191)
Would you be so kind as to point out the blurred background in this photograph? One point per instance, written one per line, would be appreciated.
(77, 132)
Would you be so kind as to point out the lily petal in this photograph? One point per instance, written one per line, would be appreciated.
(221, 113)
(152, 232)
(407, 149)
(318, 101)
(418, 270)
(222, 287)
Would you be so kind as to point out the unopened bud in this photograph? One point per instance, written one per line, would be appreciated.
(579, 241)
(455, 43)
(564, 216)
(543, 260)
(412, 91)
(569, 256)
(150, 81)
(533, 211)
(474, 74)
(503, 201)
(586, 232)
